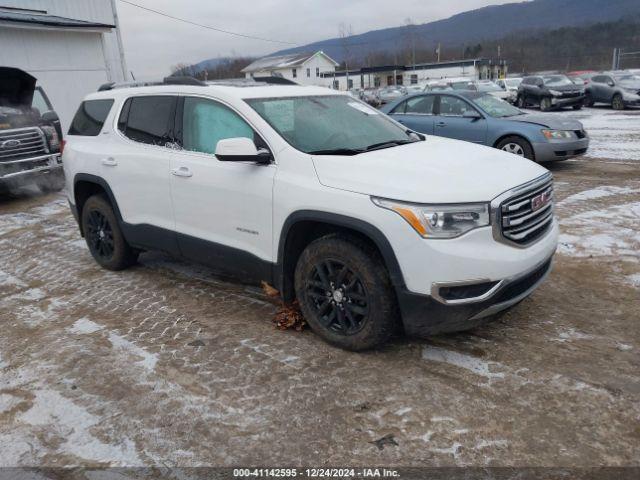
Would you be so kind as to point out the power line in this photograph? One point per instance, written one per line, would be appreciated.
(206, 26)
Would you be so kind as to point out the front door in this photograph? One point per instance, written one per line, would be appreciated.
(223, 210)
(450, 121)
(416, 113)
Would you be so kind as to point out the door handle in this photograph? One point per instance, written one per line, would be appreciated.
(182, 172)
(441, 124)
(109, 162)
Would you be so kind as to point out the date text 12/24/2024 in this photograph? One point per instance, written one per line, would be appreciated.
(315, 473)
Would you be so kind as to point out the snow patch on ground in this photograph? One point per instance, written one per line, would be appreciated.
(611, 231)
(14, 221)
(7, 402)
(73, 423)
(634, 279)
(84, 326)
(595, 193)
(7, 280)
(572, 334)
(148, 360)
(468, 362)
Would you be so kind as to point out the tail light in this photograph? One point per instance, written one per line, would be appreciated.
(52, 138)
(62, 144)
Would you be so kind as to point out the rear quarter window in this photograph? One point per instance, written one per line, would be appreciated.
(90, 117)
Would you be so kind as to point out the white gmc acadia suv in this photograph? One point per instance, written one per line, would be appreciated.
(370, 226)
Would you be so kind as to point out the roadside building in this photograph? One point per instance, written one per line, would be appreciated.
(71, 47)
(303, 68)
(386, 75)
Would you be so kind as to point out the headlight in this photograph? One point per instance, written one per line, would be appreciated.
(439, 221)
(555, 93)
(630, 93)
(557, 134)
(52, 138)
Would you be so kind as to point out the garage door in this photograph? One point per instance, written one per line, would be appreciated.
(67, 64)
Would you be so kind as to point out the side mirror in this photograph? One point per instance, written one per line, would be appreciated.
(241, 149)
(50, 116)
(611, 84)
(471, 114)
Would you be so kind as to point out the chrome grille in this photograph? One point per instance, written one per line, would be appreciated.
(527, 214)
(21, 143)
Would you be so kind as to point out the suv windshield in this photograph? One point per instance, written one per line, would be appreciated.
(628, 79)
(495, 107)
(557, 81)
(332, 124)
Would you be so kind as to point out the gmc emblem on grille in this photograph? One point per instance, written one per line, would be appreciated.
(541, 200)
(10, 143)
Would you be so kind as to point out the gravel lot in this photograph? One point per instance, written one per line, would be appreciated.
(167, 364)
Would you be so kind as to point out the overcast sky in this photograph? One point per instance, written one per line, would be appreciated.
(154, 43)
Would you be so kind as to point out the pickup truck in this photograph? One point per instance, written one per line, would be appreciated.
(30, 134)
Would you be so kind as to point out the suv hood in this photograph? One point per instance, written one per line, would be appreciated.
(437, 170)
(548, 120)
(16, 87)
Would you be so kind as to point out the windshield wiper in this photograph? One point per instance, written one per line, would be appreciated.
(337, 151)
(388, 144)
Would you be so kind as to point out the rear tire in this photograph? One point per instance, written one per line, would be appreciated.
(617, 103)
(545, 104)
(518, 146)
(104, 237)
(345, 293)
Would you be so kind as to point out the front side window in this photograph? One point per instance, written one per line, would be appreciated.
(90, 117)
(206, 122)
(453, 106)
(420, 105)
(148, 119)
(40, 102)
(328, 123)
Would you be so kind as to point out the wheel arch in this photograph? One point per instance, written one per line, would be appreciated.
(302, 227)
(86, 185)
(524, 137)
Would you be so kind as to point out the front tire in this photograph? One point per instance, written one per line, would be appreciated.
(104, 237)
(518, 146)
(520, 102)
(545, 104)
(345, 293)
(617, 103)
(577, 107)
(588, 100)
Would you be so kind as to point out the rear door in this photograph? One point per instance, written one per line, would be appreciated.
(137, 164)
(223, 210)
(597, 88)
(416, 113)
(450, 122)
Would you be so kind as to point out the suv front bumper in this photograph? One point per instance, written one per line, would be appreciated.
(424, 315)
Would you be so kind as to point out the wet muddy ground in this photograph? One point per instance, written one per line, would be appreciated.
(167, 364)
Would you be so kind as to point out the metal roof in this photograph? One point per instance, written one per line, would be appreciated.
(48, 20)
(282, 61)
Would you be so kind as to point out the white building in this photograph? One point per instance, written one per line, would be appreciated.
(386, 75)
(70, 46)
(302, 68)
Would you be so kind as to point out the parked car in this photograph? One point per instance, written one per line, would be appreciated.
(368, 225)
(549, 92)
(481, 118)
(510, 85)
(371, 96)
(581, 77)
(620, 90)
(492, 88)
(30, 134)
(389, 94)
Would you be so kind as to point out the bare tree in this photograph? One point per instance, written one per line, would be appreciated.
(346, 32)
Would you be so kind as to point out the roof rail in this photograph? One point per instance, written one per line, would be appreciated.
(165, 81)
(178, 80)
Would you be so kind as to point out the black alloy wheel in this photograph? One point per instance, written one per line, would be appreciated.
(339, 297)
(100, 235)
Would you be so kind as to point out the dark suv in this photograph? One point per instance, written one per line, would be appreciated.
(550, 92)
(30, 134)
(620, 90)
